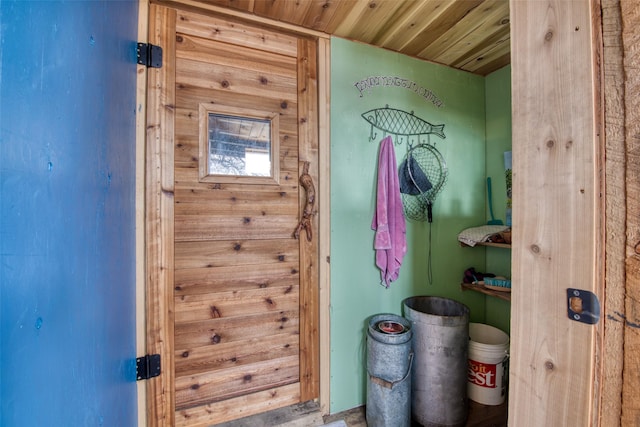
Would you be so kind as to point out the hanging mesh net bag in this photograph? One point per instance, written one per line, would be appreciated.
(422, 175)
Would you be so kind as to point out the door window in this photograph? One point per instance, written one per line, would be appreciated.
(238, 145)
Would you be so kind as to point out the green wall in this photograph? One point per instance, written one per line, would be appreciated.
(498, 122)
(356, 293)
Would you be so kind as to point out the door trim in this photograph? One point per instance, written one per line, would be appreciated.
(324, 191)
(159, 220)
(229, 12)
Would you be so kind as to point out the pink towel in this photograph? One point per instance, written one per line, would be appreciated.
(390, 241)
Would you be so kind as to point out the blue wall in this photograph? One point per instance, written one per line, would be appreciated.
(67, 175)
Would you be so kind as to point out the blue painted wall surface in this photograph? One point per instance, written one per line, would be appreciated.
(67, 175)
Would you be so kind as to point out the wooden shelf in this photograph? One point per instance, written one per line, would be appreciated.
(479, 288)
(494, 245)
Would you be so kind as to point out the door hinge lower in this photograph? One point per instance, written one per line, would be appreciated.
(147, 367)
(149, 55)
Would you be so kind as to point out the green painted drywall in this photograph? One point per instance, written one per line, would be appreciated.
(498, 125)
(356, 293)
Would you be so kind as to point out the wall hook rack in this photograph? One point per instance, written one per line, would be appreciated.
(401, 124)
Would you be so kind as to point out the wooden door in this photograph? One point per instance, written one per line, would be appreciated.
(233, 299)
(558, 212)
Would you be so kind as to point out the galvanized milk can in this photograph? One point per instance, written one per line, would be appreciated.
(389, 361)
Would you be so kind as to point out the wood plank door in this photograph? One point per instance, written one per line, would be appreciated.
(558, 213)
(233, 294)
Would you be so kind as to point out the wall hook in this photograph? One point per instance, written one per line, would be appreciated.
(372, 135)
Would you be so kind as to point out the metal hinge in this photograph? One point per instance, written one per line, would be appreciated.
(147, 367)
(149, 55)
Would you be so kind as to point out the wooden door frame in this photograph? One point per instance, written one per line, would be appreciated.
(155, 211)
(612, 338)
(619, 404)
(159, 222)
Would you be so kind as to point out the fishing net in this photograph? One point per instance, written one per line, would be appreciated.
(422, 176)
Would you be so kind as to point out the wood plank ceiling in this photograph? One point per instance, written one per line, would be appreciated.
(470, 35)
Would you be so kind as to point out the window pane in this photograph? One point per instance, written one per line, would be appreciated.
(239, 146)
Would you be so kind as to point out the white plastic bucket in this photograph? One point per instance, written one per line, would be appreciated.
(487, 370)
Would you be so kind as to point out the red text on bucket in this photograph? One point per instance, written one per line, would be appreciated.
(482, 374)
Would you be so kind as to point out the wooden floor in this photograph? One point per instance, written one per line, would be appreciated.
(308, 415)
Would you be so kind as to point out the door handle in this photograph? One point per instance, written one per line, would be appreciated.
(305, 222)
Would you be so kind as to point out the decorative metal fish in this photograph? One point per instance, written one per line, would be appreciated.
(400, 122)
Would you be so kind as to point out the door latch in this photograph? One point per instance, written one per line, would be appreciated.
(583, 306)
